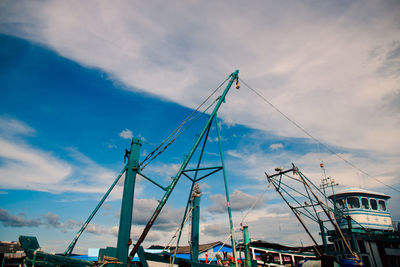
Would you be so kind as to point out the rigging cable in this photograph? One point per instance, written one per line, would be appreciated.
(255, 203)
(194, 118)
(315, 139)
(176, 131)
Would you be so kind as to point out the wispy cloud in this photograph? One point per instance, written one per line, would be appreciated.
(10, 127)
(44, 168)
(47, 172)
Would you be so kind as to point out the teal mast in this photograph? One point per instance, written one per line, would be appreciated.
(228, 202)
(232, 78)
(246, 241)
(194, 240)
(125, 222)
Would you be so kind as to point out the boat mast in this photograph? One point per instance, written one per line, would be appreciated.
(125, 221)
(233, 77)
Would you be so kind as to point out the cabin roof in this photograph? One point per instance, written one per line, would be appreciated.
(359, 191)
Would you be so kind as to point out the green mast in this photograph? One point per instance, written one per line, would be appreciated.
(228, 202)
(233, 77)
(125, 222)
(194, 240)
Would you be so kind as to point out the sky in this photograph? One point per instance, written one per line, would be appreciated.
(79, 79)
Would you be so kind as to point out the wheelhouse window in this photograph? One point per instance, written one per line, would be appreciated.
(340, 203)
(373, 203)
(382, 205)
(365, 203)
(353, 203)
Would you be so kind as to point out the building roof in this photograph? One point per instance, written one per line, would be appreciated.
(202, 248)
(358, 191)
(268, 245)
(10, 247)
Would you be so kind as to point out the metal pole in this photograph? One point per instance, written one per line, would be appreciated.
(194, 240)
(191, 189)
(246, 241)
(352, 236)
(125, 221)
(297, 216)
(323, 236)
(227, 194)
(73, 243)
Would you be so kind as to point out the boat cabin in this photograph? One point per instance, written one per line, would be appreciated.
(365, 221)
(367, 209)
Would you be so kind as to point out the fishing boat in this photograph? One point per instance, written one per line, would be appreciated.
(365, 219)
(355, 224)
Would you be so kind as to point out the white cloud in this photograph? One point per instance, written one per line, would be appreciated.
(12, 127)
(275, 146)
(27, 167)
(126, 134)
(331, 67)
(250, 161)
(328, 66)
(239, 200)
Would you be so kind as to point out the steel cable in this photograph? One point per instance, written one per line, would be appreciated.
(317, 140)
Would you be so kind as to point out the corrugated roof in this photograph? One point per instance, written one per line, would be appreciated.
(202, 248)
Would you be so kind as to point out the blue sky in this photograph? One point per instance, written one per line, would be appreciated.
(77, 79)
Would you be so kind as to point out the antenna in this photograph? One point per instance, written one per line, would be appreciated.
(326, 182)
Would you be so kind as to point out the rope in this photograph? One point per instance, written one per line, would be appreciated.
(223, 244)
(244, 217)
(255, 202)
(177, 230)
(178, 134)
(329, 210)
(110, 260)
(317, 140)
(341, 213)
(182, 124)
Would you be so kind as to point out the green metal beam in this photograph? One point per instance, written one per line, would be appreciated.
(192, 187)
(184, 217)
(152, 181)
(203, 169)
(310, 215)
(142, 257)
(125, 221)
(246, 241)
(190, 178)
(215, 169)
(194, 239)
(73, 243)
(208, 174)
(233, 77)
(323, 236)
(297, 216)
(226, 193)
